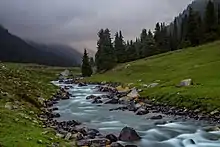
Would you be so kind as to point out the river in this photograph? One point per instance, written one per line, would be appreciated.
(176, 132)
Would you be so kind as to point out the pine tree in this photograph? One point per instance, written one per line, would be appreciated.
(86, 67)
(119, 46)
(131, 51)
(219, 20)
(143, 43)
(151, 44)
(92, 62)
(210, 22)
(184, 41)
(157, 34)
(105, 56)
(193, 28)
(174, 37)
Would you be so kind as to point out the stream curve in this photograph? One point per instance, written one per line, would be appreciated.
(169, 131)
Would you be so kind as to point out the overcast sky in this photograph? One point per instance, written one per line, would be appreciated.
(76, 22)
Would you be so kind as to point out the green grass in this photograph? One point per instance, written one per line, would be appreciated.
(201, 64)
(23, 84)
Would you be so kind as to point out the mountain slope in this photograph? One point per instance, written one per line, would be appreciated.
(201, 64)
(62, 51)
(14, 49)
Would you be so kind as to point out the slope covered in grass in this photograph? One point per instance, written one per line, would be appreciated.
(201, 64)
(20, 87)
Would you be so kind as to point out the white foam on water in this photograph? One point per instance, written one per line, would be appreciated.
(176, 134)
(90, 110)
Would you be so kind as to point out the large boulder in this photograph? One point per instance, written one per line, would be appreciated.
(186, 82)
(128, 134)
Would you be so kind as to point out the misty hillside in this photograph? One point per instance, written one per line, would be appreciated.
(62, 51)
(14, 49)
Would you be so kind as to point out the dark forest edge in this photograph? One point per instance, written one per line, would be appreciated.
(191, 29)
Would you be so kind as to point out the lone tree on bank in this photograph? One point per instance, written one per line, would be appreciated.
(86, 67)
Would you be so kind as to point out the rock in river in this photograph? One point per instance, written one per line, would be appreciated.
(97, 101)
(82, 84)
(112, 138)
(157, 117)
(142, 111)
(112, 101)
(128, 134)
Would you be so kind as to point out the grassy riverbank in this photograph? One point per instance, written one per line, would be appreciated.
(201, 64)
(20, 86)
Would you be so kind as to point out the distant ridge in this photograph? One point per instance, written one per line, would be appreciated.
(14, 49)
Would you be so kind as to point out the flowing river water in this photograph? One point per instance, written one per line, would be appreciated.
(175, 133)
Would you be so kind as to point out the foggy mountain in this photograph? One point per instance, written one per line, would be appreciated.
(14, 49)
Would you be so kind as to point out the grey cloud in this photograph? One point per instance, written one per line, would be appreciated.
(77, 22)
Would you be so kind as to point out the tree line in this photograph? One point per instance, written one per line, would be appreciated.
(192, 29)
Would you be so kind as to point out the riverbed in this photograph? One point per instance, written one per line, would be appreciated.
(169, 131)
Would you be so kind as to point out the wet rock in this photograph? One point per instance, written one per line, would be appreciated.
(97, 101)
(54, 109)
(119, 108)
(142, 111)
(82, 84)
(68, 136)
(112, 101)
(131, 106)
(92, 133)
(157, 117)
(116, 144)
(160, 123)
(211, 128)
(91, 97)
(65, 97)
(128, 134)
(111, 137)
(55, 115)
